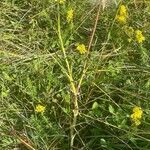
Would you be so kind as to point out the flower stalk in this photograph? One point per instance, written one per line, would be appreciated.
(75, 110)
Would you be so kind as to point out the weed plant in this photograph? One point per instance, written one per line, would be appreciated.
(74, 76)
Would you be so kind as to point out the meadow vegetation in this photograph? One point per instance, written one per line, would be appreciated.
(74, 76)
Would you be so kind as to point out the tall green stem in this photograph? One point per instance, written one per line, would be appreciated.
(74, 101)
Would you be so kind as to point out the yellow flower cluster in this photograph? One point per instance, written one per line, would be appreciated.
(139, 36)
(60, 1)
(137, 115)
(39, 108)
(122, 15)
(70, 15)
(81, 48)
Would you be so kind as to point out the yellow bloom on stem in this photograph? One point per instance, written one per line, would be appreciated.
(121, 19)
(122, 15)
(60, 1)
(137, 115)
(137, 122)
(70, 15)
(81, 48)
(139, 36)
(123, 10)
(40, 108)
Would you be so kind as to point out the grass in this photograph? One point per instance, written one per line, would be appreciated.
(87, 98)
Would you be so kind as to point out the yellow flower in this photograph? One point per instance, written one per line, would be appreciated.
(137, 122)
(137, 112)
(81, 48)
(122, 14)
(60, 1)
(139, 36)
(70, 15)
(137, 115)
(121, 19)
(40, 108)
(123, 10)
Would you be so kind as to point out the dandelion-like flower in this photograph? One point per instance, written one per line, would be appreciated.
(70, 15)
(81, 48)
(139, 36)
(137, 115)
(122, 15)
(39, 108)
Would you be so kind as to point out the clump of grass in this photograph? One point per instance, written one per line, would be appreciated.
(74, 75)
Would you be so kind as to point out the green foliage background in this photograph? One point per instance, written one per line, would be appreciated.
(32, 72)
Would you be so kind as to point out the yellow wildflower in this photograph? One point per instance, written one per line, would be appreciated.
(122, 14)
(137, 111)
(123, 11)
(70, 15)
(121, 19)
(60, 1)
(40, 108)
(137, 115)
(137, 122)
(139, 36)
(81, 48)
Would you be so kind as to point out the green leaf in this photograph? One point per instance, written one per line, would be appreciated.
(7, 77)
(95, 105)
(103, 142)
(5, 94)
(111, 109)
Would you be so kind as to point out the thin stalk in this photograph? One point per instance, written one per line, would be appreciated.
(85, 67)
(72, 85)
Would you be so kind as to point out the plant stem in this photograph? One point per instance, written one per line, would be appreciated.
(85, 68)
(75, 110)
